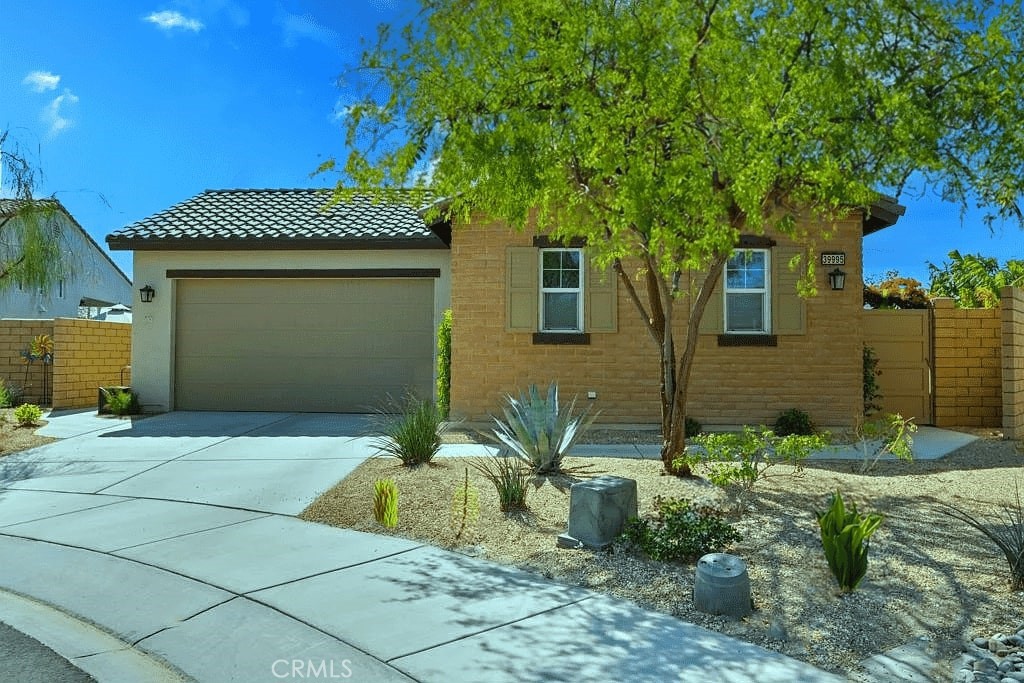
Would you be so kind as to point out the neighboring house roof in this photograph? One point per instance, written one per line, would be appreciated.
(883, 214)
(9, 207)
(282, 219)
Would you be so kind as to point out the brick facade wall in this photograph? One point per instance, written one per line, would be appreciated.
(819, 371)
(968, 366)
(1012, 332)
(15, 337)
(87, 354)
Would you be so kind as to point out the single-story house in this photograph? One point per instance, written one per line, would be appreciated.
(92, 278)
(265, 300)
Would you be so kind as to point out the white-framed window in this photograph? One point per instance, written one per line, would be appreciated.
(561, 290)
(748, 292)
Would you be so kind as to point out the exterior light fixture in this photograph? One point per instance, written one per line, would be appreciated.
(836, 279)
(147, 293)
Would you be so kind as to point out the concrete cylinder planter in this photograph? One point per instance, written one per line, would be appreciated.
(722, 586)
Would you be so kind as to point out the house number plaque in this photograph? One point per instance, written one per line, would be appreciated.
(833, 258)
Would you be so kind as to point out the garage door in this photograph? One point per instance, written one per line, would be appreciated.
(317, 345)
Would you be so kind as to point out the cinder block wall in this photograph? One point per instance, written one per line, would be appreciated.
(819, 372)
(1012, 304)
(15, 337)
(968, 366)
(88, 354)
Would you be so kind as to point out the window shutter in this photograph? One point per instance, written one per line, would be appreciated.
(713, 320)
(789, 310)
(600, 291)
(521, 289)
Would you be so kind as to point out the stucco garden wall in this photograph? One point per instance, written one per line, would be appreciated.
(819, 371)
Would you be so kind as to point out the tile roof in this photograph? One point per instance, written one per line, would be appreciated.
(282, 219)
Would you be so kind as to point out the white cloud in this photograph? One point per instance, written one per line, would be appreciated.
(306, 26)
(41, 81)
(56, 115)
(169, 20)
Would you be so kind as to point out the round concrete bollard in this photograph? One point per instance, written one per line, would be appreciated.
(722, 585)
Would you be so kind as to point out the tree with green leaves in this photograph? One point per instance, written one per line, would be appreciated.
(659, 131)
(31, 234)
(973, 280)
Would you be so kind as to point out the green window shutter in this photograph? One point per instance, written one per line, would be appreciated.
(713, 320)
(789, 310)
(600, 290)
(521, 289)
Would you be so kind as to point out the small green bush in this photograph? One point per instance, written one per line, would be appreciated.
(680, 530)
(410, 431)
(444, 364)
(693, 427)
(845, 538)
(27, 414)
(510, 477)
(794, 421)
(539, 431)
(890, 434)
(120, 401)
(385, 503)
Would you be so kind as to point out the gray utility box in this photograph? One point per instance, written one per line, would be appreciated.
(722, 586)
(598, 511)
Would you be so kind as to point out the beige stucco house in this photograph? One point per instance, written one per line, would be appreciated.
(264, 300)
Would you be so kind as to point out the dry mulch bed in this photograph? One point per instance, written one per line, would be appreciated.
(930, 579)
(14, 438)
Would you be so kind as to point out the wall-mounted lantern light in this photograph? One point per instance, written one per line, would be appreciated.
(147, 293)
(837, 279)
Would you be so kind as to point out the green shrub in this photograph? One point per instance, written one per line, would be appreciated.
(845, 538)
(510, 477)
(680, 530)
(385, 503)
(539, 431)
(1005, 529)
(693, 427)
(27, 414)
(465, 507)
(794, 421)
(871, 390)
(5, 395)
(120, 401)
(409, 430)
(890, 434)
(444, 364)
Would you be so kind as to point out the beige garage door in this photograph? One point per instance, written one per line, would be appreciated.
(318, 345)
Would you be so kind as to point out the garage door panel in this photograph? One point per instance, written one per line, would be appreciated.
(317, 345)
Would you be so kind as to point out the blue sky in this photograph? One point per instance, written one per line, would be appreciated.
(131, 107)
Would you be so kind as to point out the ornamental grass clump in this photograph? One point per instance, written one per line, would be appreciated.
(385, 503)
(539, 431)
(510, 477)
(409, 430)
(845, 535)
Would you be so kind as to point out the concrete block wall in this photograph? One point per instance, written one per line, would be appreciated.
(729, 385)
(968, 366)
(1012, 319)
(15, 337)
(88, 354)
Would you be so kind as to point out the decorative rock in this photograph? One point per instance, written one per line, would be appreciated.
(722, 585)
(598, 511)
(981, 642)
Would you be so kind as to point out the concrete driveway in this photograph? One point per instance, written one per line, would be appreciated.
(177, 535)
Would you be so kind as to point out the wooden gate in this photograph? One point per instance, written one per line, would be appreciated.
(903, 342)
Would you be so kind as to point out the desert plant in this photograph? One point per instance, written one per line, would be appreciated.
(444, 364)
(510, 477)
(891, 434)
(409, 430)
(1005, 529)
(27, 414)
(739, 460)
(794, 421)
(465, 507)
(693, 427)
(5, 395)
(871, 390)
(120, 401)
(680, 530)
(385, 503)
(845, 536)
(539, 431)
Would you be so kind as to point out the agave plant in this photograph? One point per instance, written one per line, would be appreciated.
(538, 431)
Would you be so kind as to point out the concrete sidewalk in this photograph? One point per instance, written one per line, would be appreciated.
(176, 535)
